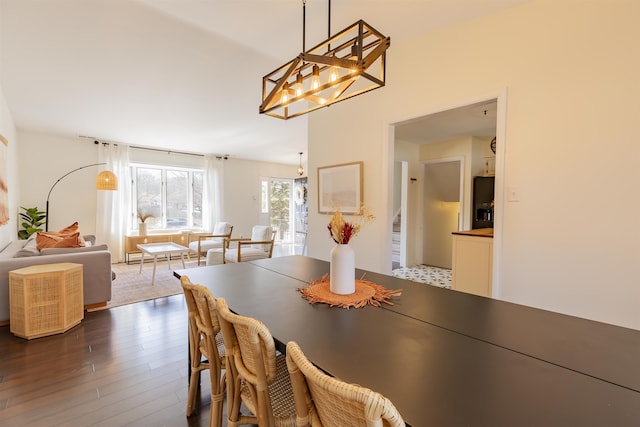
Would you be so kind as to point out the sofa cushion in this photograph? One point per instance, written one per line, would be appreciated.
(57, 240)
(29, 248)
(54, 251)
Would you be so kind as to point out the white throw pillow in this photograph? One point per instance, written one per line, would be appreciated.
(221, 228)
(261, 233)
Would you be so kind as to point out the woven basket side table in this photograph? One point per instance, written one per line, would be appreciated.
(45, 299)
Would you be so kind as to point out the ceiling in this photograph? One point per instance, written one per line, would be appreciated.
(183, 75)
(472, 120)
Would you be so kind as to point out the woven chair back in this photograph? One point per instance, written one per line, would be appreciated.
(192, 310)
(204, 330)
(334, 402)
(254, 348)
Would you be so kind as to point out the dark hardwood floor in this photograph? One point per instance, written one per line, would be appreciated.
(123, 366)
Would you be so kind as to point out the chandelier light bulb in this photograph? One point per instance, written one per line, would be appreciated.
(299, 87)
(315, 78)
(285, 92)
(333, 74)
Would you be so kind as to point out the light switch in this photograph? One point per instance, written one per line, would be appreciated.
(513, 194)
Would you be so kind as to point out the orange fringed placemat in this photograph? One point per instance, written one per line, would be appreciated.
(366, 293)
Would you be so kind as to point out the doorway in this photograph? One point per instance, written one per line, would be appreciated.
(483, 117)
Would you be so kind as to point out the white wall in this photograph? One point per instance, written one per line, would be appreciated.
(441, 209)
(45, 158)
(405, 151)
(572, 149)
(455, 148)
(42, 160)
(9, 231)
(242, 191)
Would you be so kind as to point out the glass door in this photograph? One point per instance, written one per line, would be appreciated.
(281, 209)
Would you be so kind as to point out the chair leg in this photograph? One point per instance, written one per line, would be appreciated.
(194, 382)
(216, 410)
(218, 385)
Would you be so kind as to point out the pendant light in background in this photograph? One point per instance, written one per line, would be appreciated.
(300, 168)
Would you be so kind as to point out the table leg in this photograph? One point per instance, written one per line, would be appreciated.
(153, 275)
(168, 259)
(141, 261)
(182, 259)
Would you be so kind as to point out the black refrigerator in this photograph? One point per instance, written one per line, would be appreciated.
(483, 190)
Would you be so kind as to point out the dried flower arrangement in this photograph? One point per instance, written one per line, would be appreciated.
(143, 216)
(342, 230)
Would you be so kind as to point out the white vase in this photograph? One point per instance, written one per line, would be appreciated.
(342, 271)
(142, 229)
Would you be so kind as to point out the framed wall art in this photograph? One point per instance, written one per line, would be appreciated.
(340, 188)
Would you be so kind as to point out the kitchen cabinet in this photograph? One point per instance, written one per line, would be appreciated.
(472, 262)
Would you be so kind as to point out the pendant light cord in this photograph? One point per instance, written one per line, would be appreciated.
(329, 21)
(304, 25)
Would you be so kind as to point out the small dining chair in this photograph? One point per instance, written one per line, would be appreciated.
(256, 374)
(325, 401)
(206, 347)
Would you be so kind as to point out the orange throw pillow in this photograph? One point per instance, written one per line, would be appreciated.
(68, 237)
(55, 240)
(69, 229)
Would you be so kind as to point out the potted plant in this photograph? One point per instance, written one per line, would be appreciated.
(32, 219)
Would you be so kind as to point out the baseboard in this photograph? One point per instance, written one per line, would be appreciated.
(94, 306)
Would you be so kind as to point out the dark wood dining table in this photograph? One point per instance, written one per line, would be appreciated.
(446, 358)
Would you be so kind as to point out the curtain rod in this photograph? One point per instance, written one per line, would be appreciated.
(166, 151)
(97, 141)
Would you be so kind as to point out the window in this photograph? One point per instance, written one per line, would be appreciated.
(171, 195)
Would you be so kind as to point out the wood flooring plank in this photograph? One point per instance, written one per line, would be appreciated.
(121, 366)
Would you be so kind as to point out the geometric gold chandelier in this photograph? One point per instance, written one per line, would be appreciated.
(347, 64)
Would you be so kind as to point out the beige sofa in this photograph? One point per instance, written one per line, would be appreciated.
(95, 260)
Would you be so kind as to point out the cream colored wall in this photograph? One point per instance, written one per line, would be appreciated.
(570, 242)
(8, 232)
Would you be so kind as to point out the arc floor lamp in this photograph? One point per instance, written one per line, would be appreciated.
(106, 180)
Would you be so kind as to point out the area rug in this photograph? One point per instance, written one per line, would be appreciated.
(131, 285)
(434, 276)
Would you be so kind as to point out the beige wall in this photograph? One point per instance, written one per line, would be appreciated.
(570, 244)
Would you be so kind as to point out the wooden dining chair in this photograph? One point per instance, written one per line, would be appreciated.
(206, 347)
(256, 374)
(324, 401)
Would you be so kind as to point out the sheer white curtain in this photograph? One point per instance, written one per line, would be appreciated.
(212, 204)
(114, 207)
